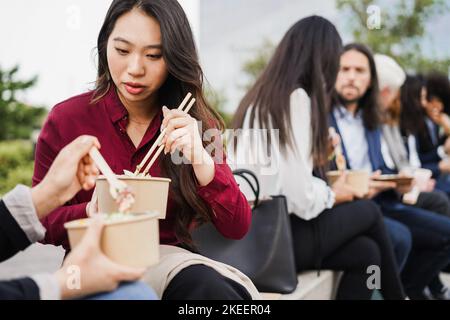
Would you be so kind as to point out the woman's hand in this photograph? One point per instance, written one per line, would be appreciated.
(343, 191)
(182, 133)
(333, 141)
(444, 122)
(444, 166)
(431, 184)
(72, 170)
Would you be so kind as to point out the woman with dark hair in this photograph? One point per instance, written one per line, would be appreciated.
(414, 101)
(413, 96)
(146, 60)
(292, 98)
(425, 103)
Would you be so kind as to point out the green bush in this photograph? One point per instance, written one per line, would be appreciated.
(16, 164)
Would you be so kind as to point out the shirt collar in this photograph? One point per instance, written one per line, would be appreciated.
(118, 112)
(340, 112)
(114, 106)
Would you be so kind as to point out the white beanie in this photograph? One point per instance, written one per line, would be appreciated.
(389, 72)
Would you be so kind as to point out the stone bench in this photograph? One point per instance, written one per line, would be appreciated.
(310, 287)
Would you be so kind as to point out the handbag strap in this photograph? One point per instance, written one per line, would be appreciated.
(244, 173)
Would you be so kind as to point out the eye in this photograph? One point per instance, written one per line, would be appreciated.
(154, 56)
(121, 51)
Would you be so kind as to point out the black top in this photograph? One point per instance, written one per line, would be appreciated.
(12, 240)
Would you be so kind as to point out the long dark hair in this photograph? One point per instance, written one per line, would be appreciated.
(369, 102)
(185, 75)
(438, 86)
(412, 116)
(307, 57)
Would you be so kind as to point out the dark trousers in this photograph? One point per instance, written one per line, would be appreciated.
(401, 240)
(200, 282)
(435, 201)
(349, 238)
(431, 244)
(438, 202)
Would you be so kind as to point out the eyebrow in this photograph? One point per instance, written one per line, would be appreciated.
(151, 46)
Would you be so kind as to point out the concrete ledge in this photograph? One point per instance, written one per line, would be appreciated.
(310, 287)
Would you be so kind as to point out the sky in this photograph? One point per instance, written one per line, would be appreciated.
(55, 39)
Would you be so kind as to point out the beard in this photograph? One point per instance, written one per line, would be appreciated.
(346, 101)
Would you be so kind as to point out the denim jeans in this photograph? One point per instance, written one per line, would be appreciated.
(431, 244)
(401, 240)
(127, 291)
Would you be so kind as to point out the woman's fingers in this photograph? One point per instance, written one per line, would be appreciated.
(180, 144)
(173, 136)
(172, 114)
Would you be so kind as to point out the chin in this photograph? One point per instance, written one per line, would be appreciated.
(350, 97)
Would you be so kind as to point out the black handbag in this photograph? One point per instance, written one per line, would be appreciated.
(266, 253)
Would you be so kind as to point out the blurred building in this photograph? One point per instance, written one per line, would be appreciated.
(231, 30)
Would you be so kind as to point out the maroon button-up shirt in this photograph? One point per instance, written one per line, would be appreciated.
(107, 120)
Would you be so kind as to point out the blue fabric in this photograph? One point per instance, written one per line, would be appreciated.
(431, 238)
(351, 128)
(401, 240)
(373, 138)
(427, 148)
(127, 291)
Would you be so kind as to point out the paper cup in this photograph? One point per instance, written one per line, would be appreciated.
(421, 178)
(150, 194)
(358, 179)
(132, 241)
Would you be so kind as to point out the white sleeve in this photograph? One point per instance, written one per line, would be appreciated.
(48, 286)
(414, 159)
(20, 204)
(386, 154)
(307, 195)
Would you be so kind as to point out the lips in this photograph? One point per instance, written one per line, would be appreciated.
(134, 88)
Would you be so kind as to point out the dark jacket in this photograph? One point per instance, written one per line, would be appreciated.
(13, 240)
(427, 149)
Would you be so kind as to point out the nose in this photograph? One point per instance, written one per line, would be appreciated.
(351, 75)
(136, 66)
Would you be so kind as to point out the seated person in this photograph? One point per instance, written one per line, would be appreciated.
(20, 211)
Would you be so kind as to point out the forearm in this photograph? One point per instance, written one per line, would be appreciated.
(232, 213)
(44, 199)
(204, 170)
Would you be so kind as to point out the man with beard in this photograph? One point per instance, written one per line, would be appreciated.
(355, 116)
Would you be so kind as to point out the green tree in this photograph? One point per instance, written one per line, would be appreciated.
(16, 164)
(217, 101)
(17, 120)
(255, 65)
(401, 32)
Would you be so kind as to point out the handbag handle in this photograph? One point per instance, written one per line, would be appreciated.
(255, 187)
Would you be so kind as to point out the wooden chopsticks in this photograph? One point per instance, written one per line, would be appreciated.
(160, 138)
